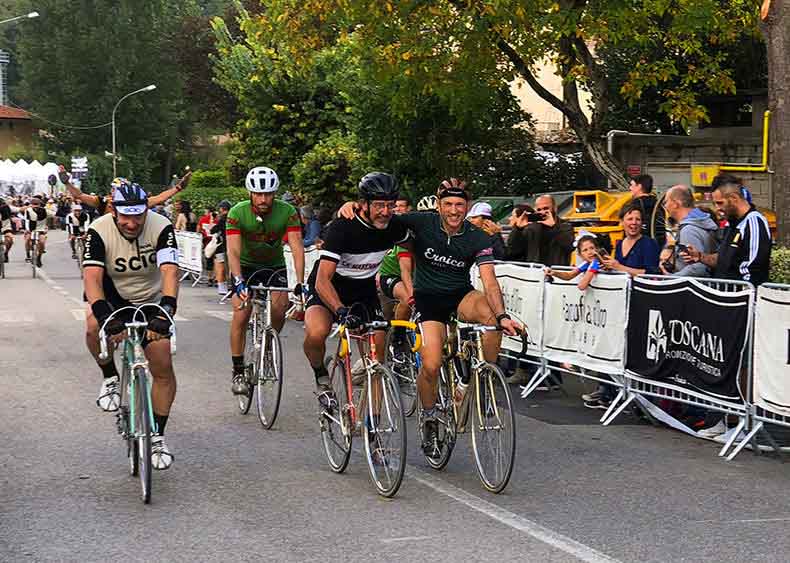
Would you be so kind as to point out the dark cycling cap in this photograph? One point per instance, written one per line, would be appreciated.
(224, 204)
(378, 186)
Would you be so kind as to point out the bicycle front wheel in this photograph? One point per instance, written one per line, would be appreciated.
(403, 364)
(385, 446)
(252, 363)
(142, 417)
(270, 378)
(446, 417)
(493, 428)
(78, 246)
(34, 254)
(336, 420)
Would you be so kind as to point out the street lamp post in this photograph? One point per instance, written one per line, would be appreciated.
(30, 15)
(114, 154)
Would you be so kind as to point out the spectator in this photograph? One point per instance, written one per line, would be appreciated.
(636, 254)
(64, 208)
(311, 226)
(52, 209)
(206, 223)
(745, 252)
(185, 218)
(587, 249)
(480, 217)
(402, 206)
(548, 241)
(642, 195)
(220, 270)
(695, 227)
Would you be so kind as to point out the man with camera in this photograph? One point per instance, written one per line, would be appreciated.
(696, 228)
(540, 236)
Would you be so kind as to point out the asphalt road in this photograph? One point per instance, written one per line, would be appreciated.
(628, 492)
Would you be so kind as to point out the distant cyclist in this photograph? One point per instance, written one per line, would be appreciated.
(76, 224)
(6, 228)
(254, 243)
(36, 221)
(131, 258)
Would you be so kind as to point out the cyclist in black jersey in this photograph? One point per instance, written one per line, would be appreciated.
(445, 246)
(343, 281)
(6, 228)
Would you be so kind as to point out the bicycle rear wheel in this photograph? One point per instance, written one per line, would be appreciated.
(385, 444)
(493, 428)
(336, 421)
(447, 424)
(143, 431)
(79, 249)
(252, 363)
(34, 256)
(2, 257)
(270, 379)
(403, 364)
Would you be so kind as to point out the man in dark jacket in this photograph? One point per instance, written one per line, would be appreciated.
(642, 195)
(745, 252)
(549, 241)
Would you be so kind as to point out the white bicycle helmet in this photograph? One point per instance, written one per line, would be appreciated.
(428, 203)
(262, 180)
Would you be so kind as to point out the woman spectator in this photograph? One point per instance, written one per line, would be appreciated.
(311, 226)
(636, 254)
(183, 211)
(480, 217)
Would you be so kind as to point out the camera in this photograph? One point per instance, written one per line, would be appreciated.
(533, 217)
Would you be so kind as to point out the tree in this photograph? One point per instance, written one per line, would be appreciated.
(78, 59)
(776, 28)
(448, 43)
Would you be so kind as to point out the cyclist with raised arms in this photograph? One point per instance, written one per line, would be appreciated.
(103, 205)
(254, 243)
(445, 246)
(342, 283)
(130, 259)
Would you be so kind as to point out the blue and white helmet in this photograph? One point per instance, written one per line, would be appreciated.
(130, 199)
(262, 180)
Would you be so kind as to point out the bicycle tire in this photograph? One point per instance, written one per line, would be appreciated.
(405, 371)
(2, 256)
(386, 457)
(79, 247)
(336, 427)
(251, 363)
(493, 425)
(270, 379)
(34, 255)
(447, 423)
(143, 434)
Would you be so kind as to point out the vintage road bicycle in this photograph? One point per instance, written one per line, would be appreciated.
(263, 353)
(373, 410)
(486, 410)
(403, 359)
(135, 415)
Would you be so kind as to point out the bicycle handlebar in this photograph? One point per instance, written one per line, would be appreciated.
(136, 325)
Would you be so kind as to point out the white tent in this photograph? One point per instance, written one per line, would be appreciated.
(27, 178)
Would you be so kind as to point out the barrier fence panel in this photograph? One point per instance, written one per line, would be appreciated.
(770, 395)
(190, 255)
(310, 258)
(689, 340)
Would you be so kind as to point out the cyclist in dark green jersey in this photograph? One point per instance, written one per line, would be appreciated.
(445, 246)
(254, 238)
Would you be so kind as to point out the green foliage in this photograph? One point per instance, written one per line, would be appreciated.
(200, 198)
(208, 179)
(780, 265)
(329, 172)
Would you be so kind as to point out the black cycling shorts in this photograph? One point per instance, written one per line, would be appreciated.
(269, 277)
(387, 285)
(367, 307)
(439, 307)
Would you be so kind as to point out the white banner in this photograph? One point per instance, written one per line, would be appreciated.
(190, 252)
(310, 258)
(772, 350)
(522, 290)
(587, 328)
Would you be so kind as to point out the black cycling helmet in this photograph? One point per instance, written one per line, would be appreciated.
(224, 204)
(378, 186)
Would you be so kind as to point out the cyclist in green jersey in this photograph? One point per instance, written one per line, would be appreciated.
(254, 238)
(445, 246)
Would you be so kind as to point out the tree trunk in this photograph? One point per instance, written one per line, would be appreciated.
(606, 163)
(776, 29)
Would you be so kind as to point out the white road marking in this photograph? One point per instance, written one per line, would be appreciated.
(15, 317)
(541, 533)
(408, 538)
